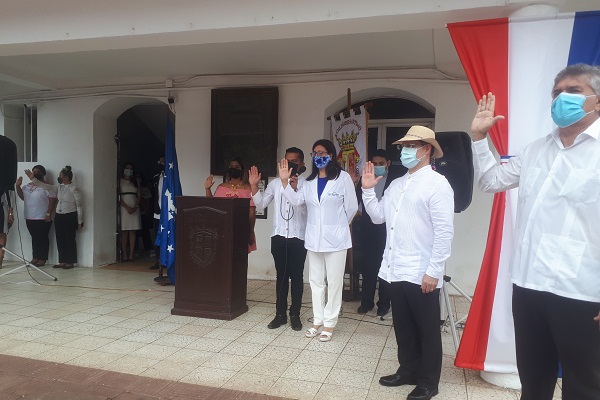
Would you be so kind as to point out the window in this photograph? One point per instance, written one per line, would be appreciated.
(20, 125)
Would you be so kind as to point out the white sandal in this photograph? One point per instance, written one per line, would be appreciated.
(311, 332)
(325, 336)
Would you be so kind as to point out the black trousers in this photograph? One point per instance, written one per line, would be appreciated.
(550, 329)
(416, 318)
(65, 227)
(374, 236)
(40, 243)
(289, 255)
(156, 225)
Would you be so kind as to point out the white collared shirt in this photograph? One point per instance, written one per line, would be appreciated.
(288, 221)
(557, 233)
(418, 210)
(70, 198)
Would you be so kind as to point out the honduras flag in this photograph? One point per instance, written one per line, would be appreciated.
(516, 59)
(165, 238)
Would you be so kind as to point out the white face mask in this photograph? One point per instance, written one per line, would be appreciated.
(127, 172)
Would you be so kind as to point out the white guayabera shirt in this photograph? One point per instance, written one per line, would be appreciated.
(418, 211)
(288, 221)
(557, 232)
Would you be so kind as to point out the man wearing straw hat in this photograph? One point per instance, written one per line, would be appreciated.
(418, 210)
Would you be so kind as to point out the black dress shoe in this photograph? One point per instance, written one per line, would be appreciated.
(277, 322)
(295, 322)
(363, 309)
(421, 393)
(396, 380)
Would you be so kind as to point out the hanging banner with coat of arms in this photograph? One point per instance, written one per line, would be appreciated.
(349, 135)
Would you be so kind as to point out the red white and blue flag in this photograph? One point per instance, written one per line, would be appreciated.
(517, 60)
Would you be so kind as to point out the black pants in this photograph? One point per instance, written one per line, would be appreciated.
(40, 243)
(416, 318)
(65, 227)
(550, 329)
(289, 255)
(373, 245)
(156, 248)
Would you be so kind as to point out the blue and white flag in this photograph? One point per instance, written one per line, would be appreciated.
(165, 238)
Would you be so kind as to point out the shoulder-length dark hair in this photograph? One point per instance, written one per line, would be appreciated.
(333, 169)
(227, 178)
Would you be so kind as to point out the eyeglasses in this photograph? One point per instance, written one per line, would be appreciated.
(409, 146)
(319, 154)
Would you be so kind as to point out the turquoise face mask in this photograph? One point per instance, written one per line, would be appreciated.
(380, 170)
(567, 108)
(408, 157)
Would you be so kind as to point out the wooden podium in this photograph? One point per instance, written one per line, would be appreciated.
(211, 257)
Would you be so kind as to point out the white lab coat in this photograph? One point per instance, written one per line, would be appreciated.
(328, 219)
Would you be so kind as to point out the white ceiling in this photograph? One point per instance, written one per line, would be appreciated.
(30, 66)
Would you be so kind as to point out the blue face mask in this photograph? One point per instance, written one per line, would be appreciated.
(380, 170)
(321, 162)
(408, 157)
(567, 108)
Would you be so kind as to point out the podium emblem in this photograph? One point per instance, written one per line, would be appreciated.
(203, 246)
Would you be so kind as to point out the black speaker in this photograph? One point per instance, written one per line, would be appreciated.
(457, 166)
(8, 163)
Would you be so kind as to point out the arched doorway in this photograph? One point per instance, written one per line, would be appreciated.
(107, 142)
(141, 142)
(389, 120)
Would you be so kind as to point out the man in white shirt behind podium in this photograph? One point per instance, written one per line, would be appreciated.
(287, 238)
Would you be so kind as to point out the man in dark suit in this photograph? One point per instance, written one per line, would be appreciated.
(373, 236)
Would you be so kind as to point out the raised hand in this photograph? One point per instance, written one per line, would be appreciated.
(19, 181)
(254, 176)
(368, 176)
(484, 117)
(209, 182)
(29, 173)
(284, 172)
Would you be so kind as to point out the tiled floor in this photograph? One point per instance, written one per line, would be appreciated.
(120, 321)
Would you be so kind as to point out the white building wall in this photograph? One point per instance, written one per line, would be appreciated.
(73, 132)
(301, 122)
(65, 133)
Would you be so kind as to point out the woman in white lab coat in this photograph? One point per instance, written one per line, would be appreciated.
(330, 205)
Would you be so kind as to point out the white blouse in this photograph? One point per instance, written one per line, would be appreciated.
(70, 198)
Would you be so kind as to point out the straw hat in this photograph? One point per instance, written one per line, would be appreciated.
(417, 132)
